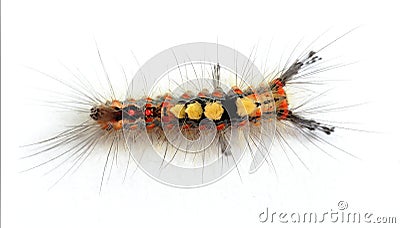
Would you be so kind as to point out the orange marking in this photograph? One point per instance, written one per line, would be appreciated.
(243, 123)
(277, 82)
(281, 91)
(116, 103)
(117, 125)
(217, 94)
(257, 113)
(185, 96)
(202, 95)
(283, 105)
(237, 90)
(252, 96)
(220, 127)
(150, 126)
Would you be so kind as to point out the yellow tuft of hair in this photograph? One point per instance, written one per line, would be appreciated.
(178, 111)
(194, 111)
(245, 106)
(213, 111)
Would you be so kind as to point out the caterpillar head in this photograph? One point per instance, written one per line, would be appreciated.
(108, 115)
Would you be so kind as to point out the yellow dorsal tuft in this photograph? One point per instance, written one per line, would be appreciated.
(194, 111)
(213, 111)
(245, 106)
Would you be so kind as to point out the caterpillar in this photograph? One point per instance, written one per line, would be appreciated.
(217, 107)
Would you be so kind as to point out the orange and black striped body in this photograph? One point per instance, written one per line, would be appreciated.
(234, 108)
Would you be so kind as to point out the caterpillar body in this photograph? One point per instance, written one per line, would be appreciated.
(196, 133)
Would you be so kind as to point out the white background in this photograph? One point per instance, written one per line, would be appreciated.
(41, 34)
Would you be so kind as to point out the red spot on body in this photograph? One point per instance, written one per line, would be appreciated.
(148, 112)
(131, 112)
